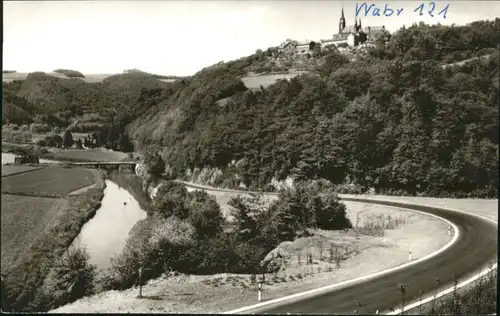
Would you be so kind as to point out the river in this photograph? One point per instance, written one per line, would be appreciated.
(104, 236)
(106, 233)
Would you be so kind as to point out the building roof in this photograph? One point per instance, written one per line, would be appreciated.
(303, 43)
(368, 29)
(349, 29)
(339, 37)
(289, 44)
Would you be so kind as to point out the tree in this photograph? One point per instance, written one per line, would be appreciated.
(154, 164)
(79, 144)
(205, 214)
(54, 141)
(243, 216)
(67, 140)
(171, 199)
(71, 278)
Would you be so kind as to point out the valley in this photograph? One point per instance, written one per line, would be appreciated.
(242, 173)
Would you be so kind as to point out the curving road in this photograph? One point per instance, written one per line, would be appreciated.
(475, 248)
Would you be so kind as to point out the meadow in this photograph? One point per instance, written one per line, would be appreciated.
(25, 220)
(48, 182)
(255, 81)
(96, 154)
(38, 136)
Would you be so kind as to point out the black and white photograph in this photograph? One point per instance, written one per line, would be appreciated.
(250, 157)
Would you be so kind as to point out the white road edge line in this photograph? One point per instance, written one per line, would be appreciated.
(447, 291)
(461, 284)
(329, 287)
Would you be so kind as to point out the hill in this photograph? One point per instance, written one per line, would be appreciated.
(392, 119)
(71, 99)
(70, 73)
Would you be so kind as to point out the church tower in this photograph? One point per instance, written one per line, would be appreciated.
(342, 21)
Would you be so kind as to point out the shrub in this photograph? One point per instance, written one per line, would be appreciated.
(154, 164)
(71, 278)
(40, 128)
(170, 200)
(205, 214)
(42, 142)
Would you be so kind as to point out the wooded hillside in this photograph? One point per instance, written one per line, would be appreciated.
(395, 120)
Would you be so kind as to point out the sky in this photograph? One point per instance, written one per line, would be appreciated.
(182, 37)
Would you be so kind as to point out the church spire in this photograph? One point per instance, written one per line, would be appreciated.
(359, 24)
(342, 21)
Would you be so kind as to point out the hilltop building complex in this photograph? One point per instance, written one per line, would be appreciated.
(351, 36)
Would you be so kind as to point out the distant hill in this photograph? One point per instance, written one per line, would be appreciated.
(16, 109)
(74, 99)
(70, 73)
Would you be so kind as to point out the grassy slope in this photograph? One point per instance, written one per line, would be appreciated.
(484, 207)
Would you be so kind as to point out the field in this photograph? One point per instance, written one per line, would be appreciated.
(96, 154)
(24, 221)
(360, 251)
(15, 169)
(254, 82)
(36, 137)
(48, 181)
(37, 228)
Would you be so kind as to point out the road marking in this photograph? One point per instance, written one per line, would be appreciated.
(447, 291)
(461, 284)
(395, 312)
(332, 286)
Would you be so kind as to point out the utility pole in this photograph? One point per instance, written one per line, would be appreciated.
(140, 282)
(403, 292)
(420, 305)
(260, 292)
(357, 306)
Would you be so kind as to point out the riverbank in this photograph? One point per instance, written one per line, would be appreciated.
(40, 219)
(120, 211)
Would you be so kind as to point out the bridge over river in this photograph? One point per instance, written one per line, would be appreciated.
(120, 165)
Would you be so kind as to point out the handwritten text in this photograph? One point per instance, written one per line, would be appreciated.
(365, 9)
